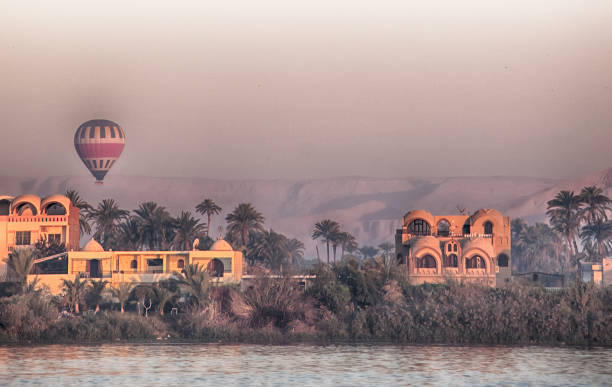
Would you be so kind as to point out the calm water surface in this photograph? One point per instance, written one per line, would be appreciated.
(304, 365)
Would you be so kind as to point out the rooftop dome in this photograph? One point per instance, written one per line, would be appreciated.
(92, 245)
(221, 245)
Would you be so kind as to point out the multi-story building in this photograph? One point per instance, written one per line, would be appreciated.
(472, 248)
(27, 218)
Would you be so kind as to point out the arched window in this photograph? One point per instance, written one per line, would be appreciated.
(5, 206)
(488, 228)
(455, 247)
(215, 268)
(419, 227)
(55, 209)
(452, 261)
(180, 264)
(466, 229)
(426, 262)
(475, 262)
(502, 260)
(134, 264)
(26, 209)
(443, 228)
(449, 247)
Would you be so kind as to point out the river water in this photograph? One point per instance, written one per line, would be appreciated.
(303, 365)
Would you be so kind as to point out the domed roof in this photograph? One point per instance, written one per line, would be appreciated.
(92, 246)
(485, 212)
(419, 214)
(221, 245)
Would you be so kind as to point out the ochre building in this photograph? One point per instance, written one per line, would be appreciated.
(27, 218)
(472, 248)
(221, 261)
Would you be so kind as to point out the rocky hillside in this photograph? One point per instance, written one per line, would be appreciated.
(370, 208)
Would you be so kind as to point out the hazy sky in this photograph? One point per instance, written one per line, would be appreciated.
(294, 89)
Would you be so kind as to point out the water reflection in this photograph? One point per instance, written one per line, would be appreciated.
(171, 364)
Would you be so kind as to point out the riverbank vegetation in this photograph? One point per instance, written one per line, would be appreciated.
(358, 295)
(347, 302)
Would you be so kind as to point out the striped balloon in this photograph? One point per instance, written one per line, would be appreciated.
(99, 144)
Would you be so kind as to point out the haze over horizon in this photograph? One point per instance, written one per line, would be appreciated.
(275, 89)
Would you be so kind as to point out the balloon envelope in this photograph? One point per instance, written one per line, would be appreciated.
(99, 144)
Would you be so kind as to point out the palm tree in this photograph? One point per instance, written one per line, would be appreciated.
(156, 225)
(595, 204)
(163, 295)
(347, 243)
(600, 234)
(74, 291)
(20, 263)
(209, 208)
(195, 281)
(386, 247)
(271, 247)
(368, 251)
(94, 293)
(129, 236)
(106, 216)
(243, 220)
(326, 229)
(84, 209)
(295, 251)
(187, 229)
(122, 293)
(564, 215)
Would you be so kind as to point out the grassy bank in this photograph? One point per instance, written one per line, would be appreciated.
(345, 304)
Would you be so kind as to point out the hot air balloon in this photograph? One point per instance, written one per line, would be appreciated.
(99, 144)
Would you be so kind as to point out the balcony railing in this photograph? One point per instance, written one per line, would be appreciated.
(36, 218)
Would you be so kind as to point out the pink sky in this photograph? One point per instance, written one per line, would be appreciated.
(287, 89)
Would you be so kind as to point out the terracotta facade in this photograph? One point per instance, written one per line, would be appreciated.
(27, 218)
(472, 248)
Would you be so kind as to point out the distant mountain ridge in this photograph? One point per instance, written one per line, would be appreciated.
(369, 208)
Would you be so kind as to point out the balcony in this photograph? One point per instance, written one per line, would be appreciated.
(36, 218)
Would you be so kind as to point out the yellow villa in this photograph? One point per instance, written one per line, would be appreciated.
(221, 261)
(27, 218)
(471, 248)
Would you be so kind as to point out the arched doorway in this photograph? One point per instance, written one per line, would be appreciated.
(215, 268)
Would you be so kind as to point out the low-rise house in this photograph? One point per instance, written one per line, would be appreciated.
(221, 261)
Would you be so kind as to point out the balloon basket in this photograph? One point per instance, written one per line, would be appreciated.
(98, 182)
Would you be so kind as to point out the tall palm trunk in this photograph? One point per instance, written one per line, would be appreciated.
(327, 241)
(208, 225)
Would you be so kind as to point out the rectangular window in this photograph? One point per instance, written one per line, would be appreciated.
(22, 238)
(227, 264)
(54, 238)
